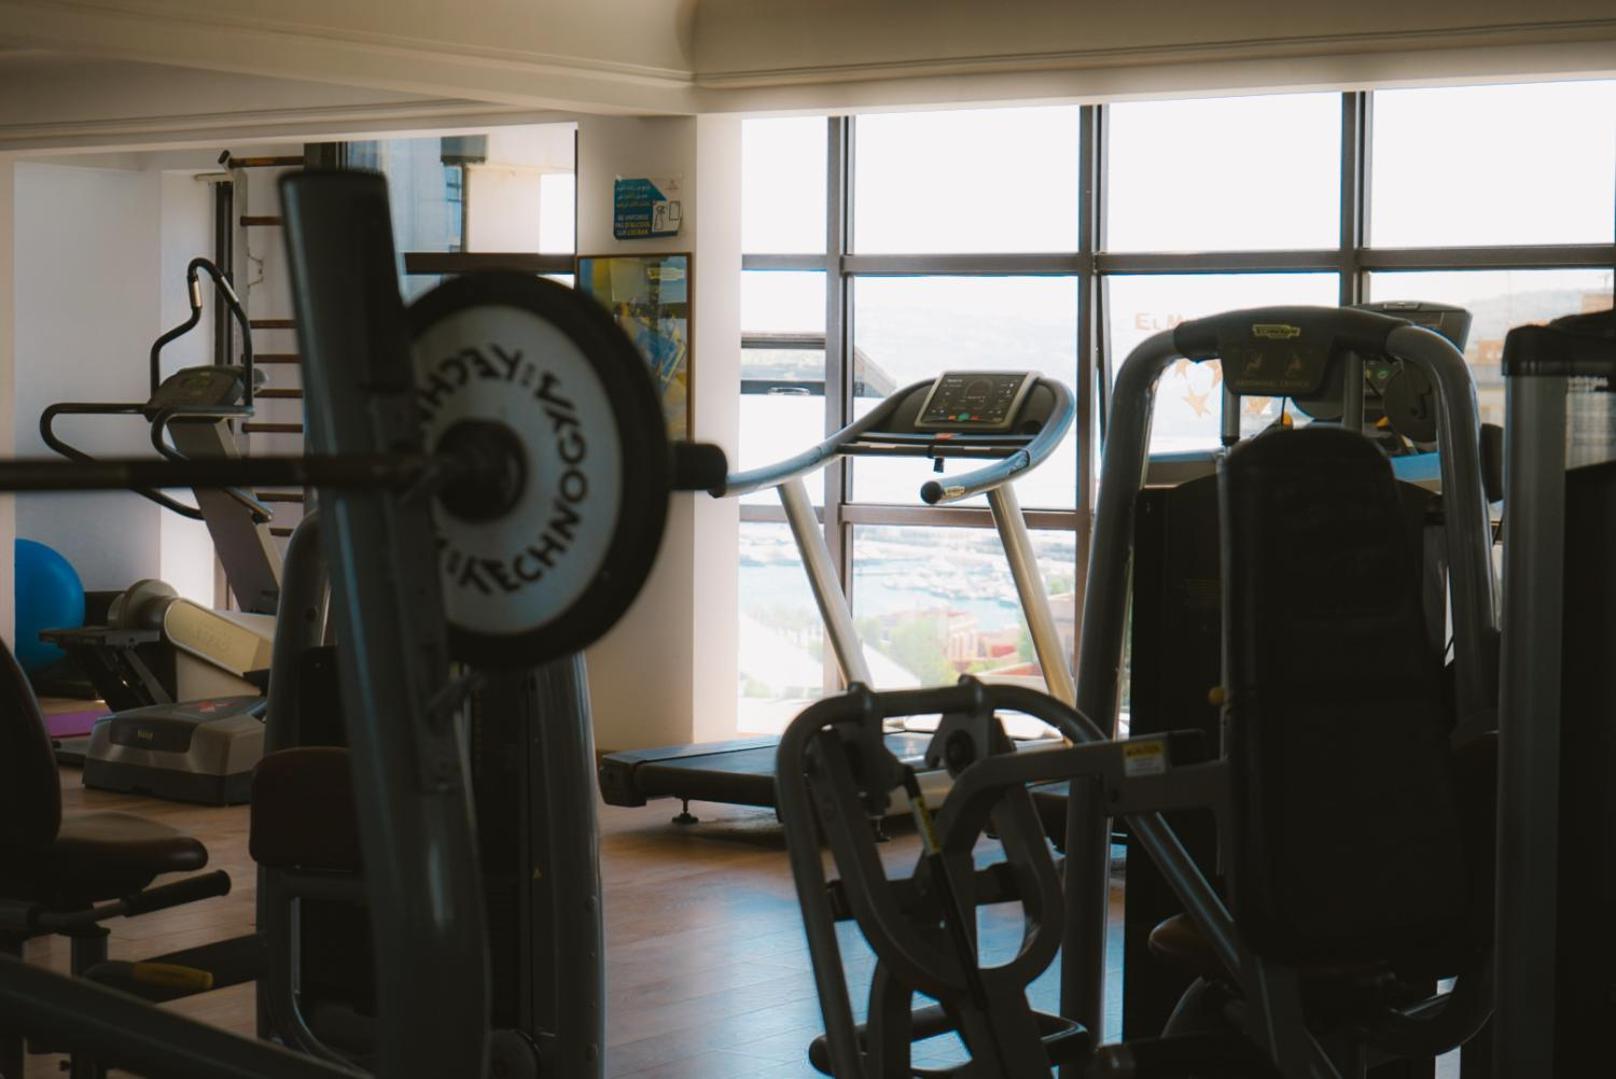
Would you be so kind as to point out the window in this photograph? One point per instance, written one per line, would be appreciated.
(942, 197)
(967, 248)
(782, 371)
(932, 604)
(990, 180)
(1224, 174)
(910, 328)
(1498, 300)
(1480, 165)
(782, 639)
(783, 198)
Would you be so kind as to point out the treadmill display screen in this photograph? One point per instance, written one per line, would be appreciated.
(975, 400)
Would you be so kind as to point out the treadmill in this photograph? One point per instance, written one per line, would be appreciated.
(1011, 421)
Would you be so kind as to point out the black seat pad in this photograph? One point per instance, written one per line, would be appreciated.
(95, 857)
(1348, 840)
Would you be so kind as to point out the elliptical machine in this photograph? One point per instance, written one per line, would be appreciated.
(184, 681)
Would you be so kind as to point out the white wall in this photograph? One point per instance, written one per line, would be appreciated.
(87, 303)
(678, 639)
(715, 409)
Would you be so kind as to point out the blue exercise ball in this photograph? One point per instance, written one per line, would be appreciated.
(49, 596)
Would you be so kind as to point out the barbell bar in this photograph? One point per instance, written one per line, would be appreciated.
(548, 465)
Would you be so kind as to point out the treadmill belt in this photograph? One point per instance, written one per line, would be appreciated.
(735, 773)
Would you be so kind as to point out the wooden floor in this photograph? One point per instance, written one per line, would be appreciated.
(707, 972)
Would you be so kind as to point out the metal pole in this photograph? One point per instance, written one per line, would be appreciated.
(120, 1030)
(224, 257)
(822, 579)
(1526, 937)
(1105, 617)
(1352, 415)
(1468, 526)
(1012, 526)
(411, 789)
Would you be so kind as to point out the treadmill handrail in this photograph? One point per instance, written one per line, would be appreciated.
(934, 492)
(1001, 471)
(742, 483)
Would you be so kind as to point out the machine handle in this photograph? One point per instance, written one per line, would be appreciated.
(1345, 327)
(47, 420)
(237, 312)
(188, 890)
(180, 892)
(698, 466)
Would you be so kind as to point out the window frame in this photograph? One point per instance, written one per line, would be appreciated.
(1352, 259)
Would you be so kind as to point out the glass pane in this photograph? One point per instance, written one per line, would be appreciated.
(1204, 175)
(985, 180)
(783, 185)
(782, 639)
(934, 603)
(782, 372)
(1497, 301)
(1189, 396)
(913, 328)
(1494, 165)
(511, 189)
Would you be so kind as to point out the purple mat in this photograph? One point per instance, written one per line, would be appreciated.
(72, 724)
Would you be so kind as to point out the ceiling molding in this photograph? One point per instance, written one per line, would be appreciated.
(259, 123)
(516, 77)
(1581, 31)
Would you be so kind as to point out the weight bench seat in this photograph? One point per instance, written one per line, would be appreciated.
(303, 813)
(95, 857)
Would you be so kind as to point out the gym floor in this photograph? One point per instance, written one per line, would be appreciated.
(707, 972)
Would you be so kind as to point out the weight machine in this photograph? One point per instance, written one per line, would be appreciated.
(415, 521)
(1389, 893)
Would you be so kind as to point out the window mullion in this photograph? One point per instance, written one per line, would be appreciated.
(1356, 118)
(839, 372)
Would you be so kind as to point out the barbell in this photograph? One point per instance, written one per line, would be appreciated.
(549, 465)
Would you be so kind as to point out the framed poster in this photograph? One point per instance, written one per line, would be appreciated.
(649, 295)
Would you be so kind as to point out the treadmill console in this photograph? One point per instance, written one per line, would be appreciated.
(207, 387)
(975, 400)
(1400, 394)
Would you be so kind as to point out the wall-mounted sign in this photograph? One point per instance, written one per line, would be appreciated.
(650, 297)
(646, 208)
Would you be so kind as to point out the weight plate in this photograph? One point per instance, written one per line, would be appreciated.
(560, 565)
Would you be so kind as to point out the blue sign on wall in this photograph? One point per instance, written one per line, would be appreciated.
(645, 208)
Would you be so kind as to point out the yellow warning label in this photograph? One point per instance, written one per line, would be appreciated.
(1144, 758)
